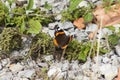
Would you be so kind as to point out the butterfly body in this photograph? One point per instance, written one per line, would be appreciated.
(61, 42)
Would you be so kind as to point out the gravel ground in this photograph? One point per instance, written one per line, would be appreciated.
(105, 69)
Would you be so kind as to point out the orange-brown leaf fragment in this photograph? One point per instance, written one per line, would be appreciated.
(79, 23)
(110, 17)
(118, 78)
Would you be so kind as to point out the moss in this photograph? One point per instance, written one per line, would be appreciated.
(41, 44)
(10, 39)
(77, 51)
(113, 40)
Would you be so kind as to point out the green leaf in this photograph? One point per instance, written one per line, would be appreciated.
(6, 9)
(111, 28)
(88, 17)
(113, 40)
(30, 4)
(10, 2)
(103, 51)
(35, 26)
(47, 6)
(74, 4)
(22, 27)
(84, 52)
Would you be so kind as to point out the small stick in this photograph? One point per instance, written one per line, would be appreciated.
(63, 54)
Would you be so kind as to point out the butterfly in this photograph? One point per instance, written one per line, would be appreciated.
(61, 40)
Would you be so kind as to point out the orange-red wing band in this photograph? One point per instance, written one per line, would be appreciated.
(63, 47)
(58, 33)
(55, 42)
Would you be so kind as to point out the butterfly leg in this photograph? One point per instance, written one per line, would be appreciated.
(57, 53)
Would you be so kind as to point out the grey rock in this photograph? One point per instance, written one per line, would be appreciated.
(5, 62)
(42, 64)
(117, 26)
(16, 67)
(83, 4)
(106, 60)
(117, 48)
(104, 31)
(57, 7)
(0, 66)
(71, 75)
(108, 71)
(52, 25)
(65, 65)
(6, 76)
(24, 39)
(114, 61)
(67, 25)
(58, 17)
(51, 33)
(32, 64)
(45, 29)
(81, 35)
(18, 78)
(48, 58)
(74, 65)
(86, 78)
(91, 27)
(54, 73)
(99, 58)
(26, 73)
(24, 51)
(42, 2)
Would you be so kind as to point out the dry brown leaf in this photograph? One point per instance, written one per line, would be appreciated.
(79, 23)
(91, 35)
(110, 17)
(118, 78)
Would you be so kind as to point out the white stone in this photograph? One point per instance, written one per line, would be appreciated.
(114, 61)
(65, 65)
(67, 25)
(117, 26)
(86, 78)
(71, 75)
(108, 71)
(51, 32)
(58, 17)
(42, 64)
(0, 66)
(55, 73)
(5, 62)
(18, 78)
(16, 67)
(48, 58)
(104, 31)
(6, 76)
(45, 29)
(74, 65)
(106, 60)
(26, 73)
(91, 27)
(83, 4)
(117, 48)
(42, 2)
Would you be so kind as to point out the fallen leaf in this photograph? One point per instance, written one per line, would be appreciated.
(92, 34)
(110, 17)
(79, 23)
(118, 77)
